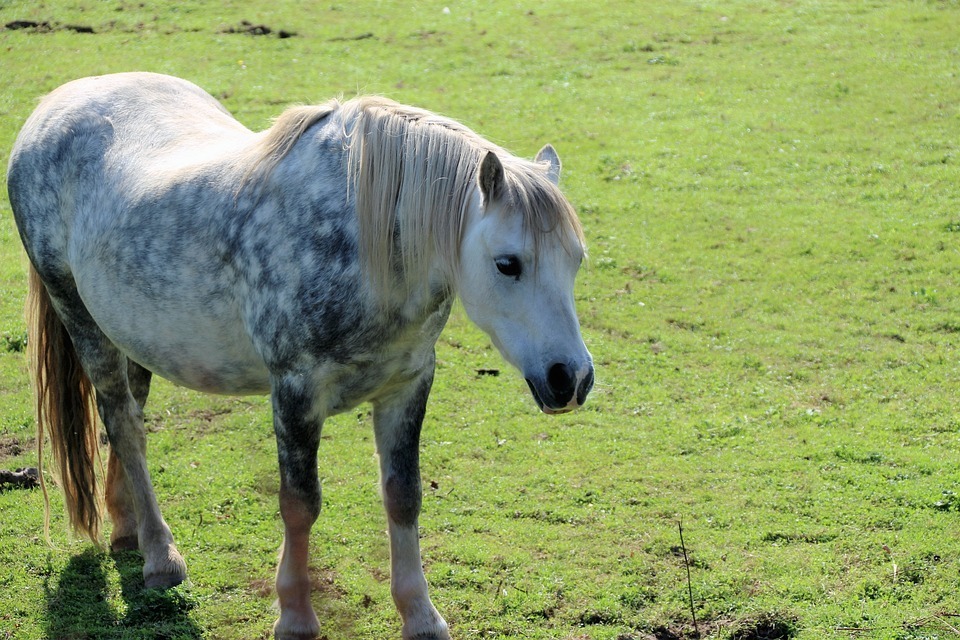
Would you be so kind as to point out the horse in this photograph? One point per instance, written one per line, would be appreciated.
(315, 261)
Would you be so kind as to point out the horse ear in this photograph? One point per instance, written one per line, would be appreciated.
(549, 155)
(491, 177)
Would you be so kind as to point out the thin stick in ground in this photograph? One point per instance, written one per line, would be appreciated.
(686, 564)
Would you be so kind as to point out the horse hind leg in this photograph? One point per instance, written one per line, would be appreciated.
(119, 495)
(111, 375)
(121, 508)
(163, 565)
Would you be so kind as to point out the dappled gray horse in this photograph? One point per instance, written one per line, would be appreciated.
(316, 261)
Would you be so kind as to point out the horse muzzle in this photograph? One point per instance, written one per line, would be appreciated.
(562, 389)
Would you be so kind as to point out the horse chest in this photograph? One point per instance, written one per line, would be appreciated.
(392, 357)
(345, 387)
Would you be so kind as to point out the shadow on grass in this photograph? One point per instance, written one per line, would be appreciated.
(82, 604)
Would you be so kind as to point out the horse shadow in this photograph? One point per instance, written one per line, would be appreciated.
(79, 605)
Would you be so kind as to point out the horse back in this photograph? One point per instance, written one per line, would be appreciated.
(94, 143)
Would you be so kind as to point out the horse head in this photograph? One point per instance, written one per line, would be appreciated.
(521, 249)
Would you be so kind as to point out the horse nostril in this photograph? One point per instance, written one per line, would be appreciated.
(562, 381)
(585, 386)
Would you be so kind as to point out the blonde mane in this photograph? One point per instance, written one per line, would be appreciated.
(413, 174)
(277, 141)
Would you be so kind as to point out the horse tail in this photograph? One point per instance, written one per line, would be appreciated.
(65, 413)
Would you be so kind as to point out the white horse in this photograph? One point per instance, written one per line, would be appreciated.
(316, 261)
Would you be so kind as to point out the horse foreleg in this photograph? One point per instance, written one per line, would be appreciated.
(298, 438)
(397, 422)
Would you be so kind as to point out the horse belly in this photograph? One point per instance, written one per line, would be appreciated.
(186, 332)
(212, 360)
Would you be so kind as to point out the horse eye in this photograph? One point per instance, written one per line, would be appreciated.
(509, 266)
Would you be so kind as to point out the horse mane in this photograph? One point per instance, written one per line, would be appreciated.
(413, 174)
(277, 141)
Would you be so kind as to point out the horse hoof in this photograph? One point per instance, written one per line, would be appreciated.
(162, 580)
(439, 632)
(296, 636)
(125, 543)
(306, 627)
(164, 568)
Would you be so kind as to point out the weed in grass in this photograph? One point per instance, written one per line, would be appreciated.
(14, 343)
(771, 626)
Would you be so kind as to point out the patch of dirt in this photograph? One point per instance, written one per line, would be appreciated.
(44, 26)
(362, 36)
(248, 28)
(263, 587)
(322, 581)
(666, 633)
(208, 415)
(11, 447)
(770, 626)
(686, 325)
(948, 327)
(197, 421)
(36, 27)
(766, 626)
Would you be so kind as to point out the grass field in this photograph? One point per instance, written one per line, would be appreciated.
(771, 195)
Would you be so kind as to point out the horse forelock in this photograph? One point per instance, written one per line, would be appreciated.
(546, 212)
(414, 177)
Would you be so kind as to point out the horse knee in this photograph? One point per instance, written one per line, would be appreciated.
(300, 508)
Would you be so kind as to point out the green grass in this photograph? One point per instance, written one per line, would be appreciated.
(769, 191)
